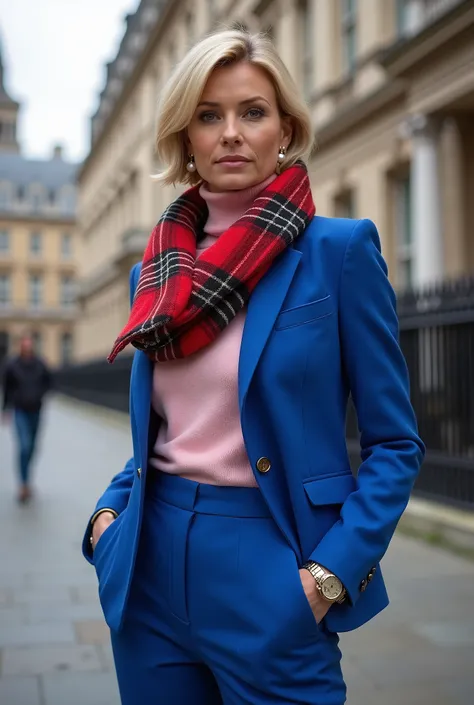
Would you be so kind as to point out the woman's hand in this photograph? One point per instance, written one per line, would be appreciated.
(318, 604)
(102, 522)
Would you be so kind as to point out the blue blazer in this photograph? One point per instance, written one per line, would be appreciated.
(320, 325)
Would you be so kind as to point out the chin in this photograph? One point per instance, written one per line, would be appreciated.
(234, 182)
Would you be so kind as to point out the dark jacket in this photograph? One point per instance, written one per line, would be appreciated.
(25, 382)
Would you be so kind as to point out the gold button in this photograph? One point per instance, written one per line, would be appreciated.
(363, 586)
(139, 472)
(263, 465)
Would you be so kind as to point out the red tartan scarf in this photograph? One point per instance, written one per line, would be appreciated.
(182, 303)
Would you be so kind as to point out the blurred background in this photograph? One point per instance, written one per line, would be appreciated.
(390, 85)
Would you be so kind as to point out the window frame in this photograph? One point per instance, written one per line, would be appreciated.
(348, 10)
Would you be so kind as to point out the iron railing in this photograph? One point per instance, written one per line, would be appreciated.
(437, 338)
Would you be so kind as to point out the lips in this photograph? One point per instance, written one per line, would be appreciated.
(232, 158)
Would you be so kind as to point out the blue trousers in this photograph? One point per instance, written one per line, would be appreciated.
(26, 424)
(217, 614)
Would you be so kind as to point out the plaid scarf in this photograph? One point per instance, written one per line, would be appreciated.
(182, 303)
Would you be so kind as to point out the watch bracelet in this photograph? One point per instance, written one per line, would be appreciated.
(317, 571)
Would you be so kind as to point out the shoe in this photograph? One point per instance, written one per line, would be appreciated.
(24, 494)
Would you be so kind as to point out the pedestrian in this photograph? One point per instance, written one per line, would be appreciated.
(26, 380)
(236, 544)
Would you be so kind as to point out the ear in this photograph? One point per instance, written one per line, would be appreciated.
(286, 131)
(187, 142)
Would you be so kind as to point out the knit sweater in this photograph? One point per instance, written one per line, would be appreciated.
(200, 437)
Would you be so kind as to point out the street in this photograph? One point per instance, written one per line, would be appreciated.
(54, 646)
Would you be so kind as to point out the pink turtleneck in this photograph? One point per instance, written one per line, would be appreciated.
(200, 437)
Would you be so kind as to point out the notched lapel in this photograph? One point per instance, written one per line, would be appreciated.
(264, 306)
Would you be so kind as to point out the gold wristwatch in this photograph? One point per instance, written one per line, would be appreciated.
(328, 584)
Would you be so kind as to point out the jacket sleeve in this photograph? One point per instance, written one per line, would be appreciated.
(118, 492)
(391, 451)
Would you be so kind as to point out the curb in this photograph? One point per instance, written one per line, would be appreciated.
(440, 524)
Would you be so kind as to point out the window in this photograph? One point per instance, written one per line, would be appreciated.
(66, 348)
(306, 45)
(5, 289)
(344, 205)
(4, 196)
(4, 241)
(68, 292)
(349, 49)
(36, 290)
(404, 232)
(66, 246)
(35, 244)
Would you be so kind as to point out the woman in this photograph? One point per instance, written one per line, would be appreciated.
(236, 543)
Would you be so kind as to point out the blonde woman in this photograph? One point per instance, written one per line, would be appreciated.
(236, 543)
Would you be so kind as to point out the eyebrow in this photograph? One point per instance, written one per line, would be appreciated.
(242, 102)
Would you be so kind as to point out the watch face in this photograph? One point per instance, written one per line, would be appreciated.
(331, 587)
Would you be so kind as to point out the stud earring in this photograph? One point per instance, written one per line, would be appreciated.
(191, 165)
(280, 159)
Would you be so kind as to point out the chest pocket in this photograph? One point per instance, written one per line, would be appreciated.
(301, 315)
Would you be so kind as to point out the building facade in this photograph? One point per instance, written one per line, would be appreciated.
(38, 245)
(390, 85)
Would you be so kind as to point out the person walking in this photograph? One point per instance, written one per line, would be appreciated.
(236, 543)
(26, 380)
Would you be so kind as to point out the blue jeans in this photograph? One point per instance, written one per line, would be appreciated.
(26, 424)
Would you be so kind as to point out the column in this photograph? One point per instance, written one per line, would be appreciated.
(425, 199)
(286, 36)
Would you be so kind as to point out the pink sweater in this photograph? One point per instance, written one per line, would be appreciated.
(201, 436)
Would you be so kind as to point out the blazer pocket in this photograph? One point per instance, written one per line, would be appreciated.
(300, 315)
(332, 489)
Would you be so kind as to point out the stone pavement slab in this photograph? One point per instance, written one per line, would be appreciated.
(20, 691)
(75, 689)
(54, 645)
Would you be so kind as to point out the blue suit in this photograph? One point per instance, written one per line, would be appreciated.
(320, 325)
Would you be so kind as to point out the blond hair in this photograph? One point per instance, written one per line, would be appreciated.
(181, 94)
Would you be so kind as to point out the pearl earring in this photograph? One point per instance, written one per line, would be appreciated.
(191, 165)
(280, 159)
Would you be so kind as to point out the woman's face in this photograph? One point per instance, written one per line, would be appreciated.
(236, 131)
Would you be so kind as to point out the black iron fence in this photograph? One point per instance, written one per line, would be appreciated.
(437, 338)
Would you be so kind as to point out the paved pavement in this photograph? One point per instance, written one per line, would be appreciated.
(54, 647)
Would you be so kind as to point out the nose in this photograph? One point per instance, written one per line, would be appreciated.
(231, 134)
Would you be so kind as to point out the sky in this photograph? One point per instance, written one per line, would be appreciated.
(54, 54)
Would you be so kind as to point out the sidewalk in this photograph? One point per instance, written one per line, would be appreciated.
(54, 647)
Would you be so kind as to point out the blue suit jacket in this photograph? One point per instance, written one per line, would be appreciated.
(320, 325)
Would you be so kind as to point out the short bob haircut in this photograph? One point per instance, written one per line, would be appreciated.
(181, 94)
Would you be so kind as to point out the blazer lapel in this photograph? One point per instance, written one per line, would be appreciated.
(264, 306)
(141, 384)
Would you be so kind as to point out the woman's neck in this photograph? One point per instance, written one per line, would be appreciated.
(226, 207)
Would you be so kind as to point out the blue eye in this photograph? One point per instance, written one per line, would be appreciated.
(207, 117)
(255, 113)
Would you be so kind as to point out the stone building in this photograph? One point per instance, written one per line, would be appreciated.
(38, 247)
(390, 84)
